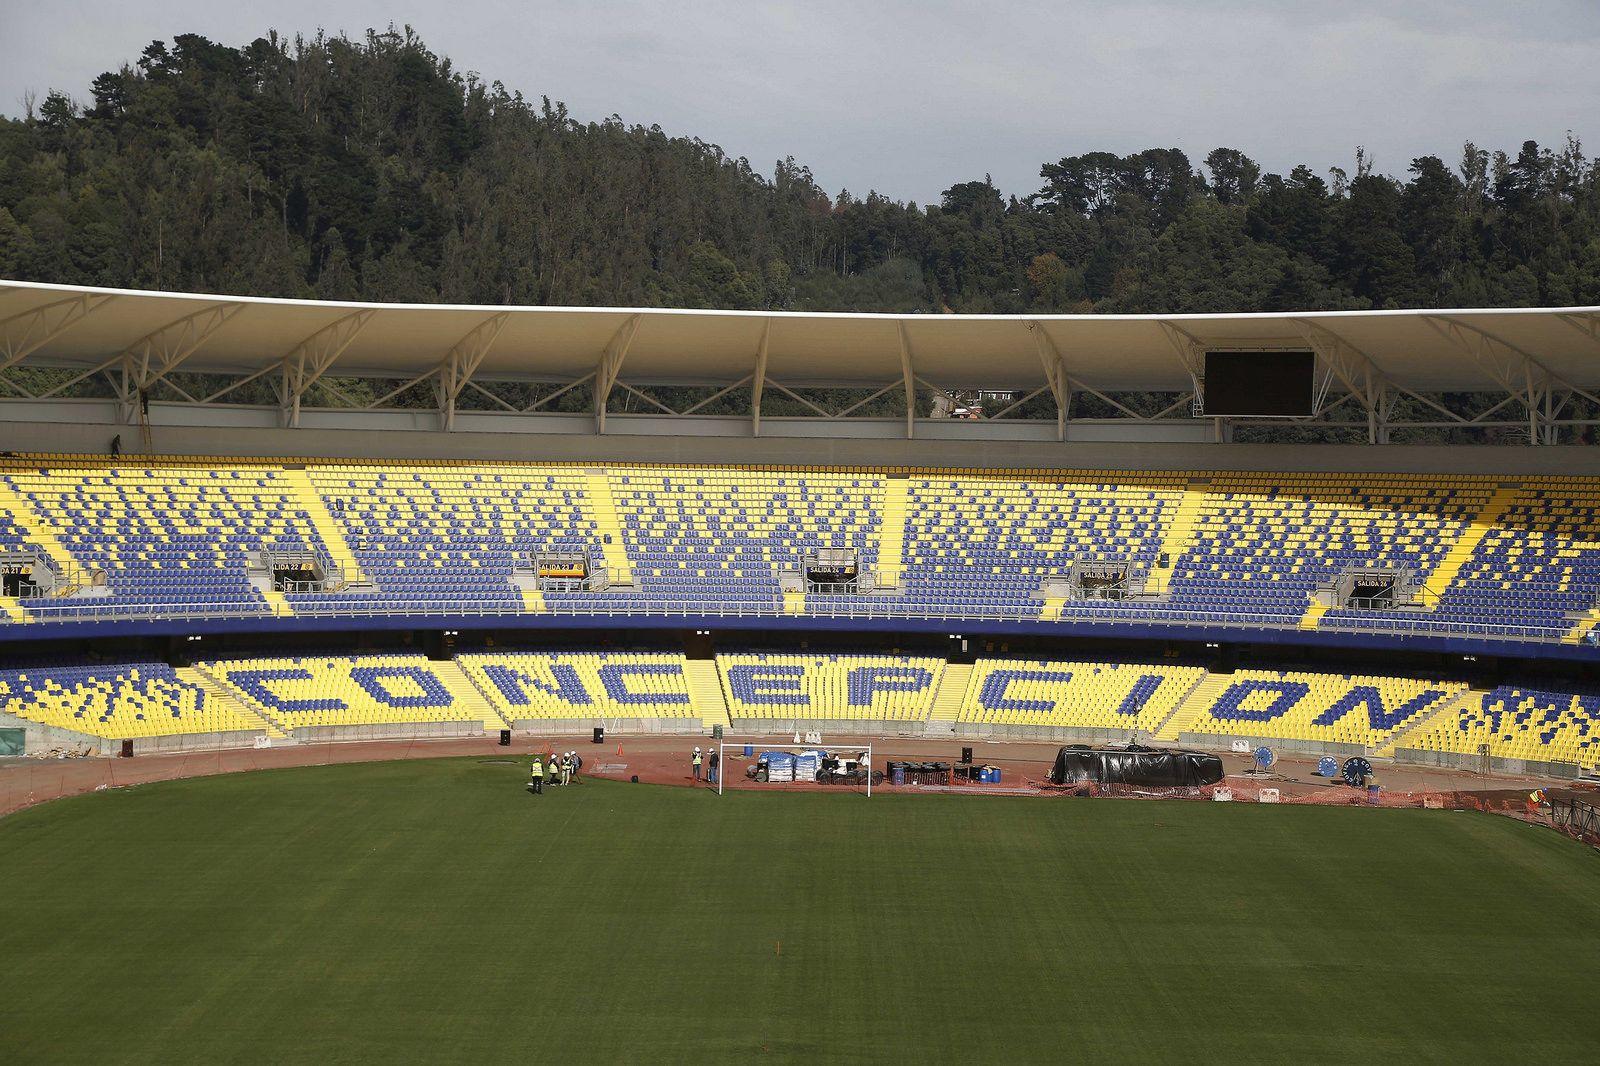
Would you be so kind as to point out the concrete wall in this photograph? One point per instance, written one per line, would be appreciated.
(1218, 742)
(189, 742)
(584, 727)
(68, 434)
(1052, 734)
(1474, 763)
(38, 738)
(828, 727)
(338, 734)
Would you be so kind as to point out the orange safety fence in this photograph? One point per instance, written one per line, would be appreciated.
(1500, 802)
(1543, 806)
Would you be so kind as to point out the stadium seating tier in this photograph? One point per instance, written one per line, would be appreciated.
(1084, 695)
(524, 686)
(887, 688)
(118, 702)
(1519, 722)
(1320, 707)
(1305, 709)
(174, 536)
(341, 690)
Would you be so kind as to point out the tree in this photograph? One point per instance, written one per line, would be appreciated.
(1233, 175)
(1051, 284)
(1431, 221)
(1373, 258)
(369, 167)
(16, 247)
(57, 112)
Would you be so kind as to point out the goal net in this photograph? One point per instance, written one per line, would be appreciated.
(845, 766)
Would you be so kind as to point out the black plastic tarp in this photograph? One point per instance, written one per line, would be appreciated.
(1116, 766)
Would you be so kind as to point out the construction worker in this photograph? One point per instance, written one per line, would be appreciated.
(536, 776)
(566, 768)
(554, 765)
(695, 762)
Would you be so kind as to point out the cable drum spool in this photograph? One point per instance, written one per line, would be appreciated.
(1356, 770)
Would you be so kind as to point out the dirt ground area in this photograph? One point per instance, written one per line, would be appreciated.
(666, 760)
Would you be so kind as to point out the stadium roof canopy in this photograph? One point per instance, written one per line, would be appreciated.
(1537, 357)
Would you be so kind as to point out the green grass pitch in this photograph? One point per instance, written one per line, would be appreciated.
(433, 911)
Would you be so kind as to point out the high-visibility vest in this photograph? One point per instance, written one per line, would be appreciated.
(538, 768)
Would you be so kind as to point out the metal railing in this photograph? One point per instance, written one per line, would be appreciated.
(1127, 614)
(836, 588)
(1378, 603)
(287, 584)
(276, 562)
(62, 579)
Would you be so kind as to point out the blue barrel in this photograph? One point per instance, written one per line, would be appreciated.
(899, 775)
(749, 750)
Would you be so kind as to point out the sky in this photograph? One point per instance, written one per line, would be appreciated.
(909, 98)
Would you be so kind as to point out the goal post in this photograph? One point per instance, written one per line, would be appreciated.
(861, 754)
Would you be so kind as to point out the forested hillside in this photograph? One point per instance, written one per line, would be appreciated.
(373, 169)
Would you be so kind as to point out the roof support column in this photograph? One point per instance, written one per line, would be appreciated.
(312, 358)
(461, 362)
(1515, 369)
(1355, 370)
(145, 362)
(128, 405)
(1535, 433)
(1382, 414)
(758, 381)
(1372, 410)
(609, 367)
(1055, 376)
(1191, 354)
(909, 374)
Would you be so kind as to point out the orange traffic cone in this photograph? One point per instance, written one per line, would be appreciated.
(619, 749)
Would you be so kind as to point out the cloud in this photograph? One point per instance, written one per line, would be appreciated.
(909, 98)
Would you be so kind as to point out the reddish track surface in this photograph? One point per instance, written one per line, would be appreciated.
(653, 759)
